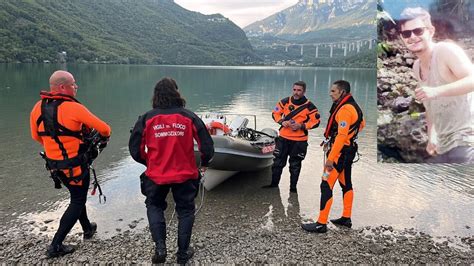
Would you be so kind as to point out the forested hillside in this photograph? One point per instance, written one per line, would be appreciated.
(118, 31)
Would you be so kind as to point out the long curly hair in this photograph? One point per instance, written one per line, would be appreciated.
(166, 94)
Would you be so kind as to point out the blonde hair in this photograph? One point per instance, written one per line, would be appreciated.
(411, 13)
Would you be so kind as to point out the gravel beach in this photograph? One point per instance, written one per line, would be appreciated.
(263, 233)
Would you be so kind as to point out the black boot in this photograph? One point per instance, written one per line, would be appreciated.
(90, 233)
(160, 253)
(315, 227)
(182, 257)
(59, 250)
(343, 221)
(185, 228)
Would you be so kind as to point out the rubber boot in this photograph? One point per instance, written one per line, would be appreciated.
(90, 233)
(59, 250)
(185, 228)
(160, 252)
(343, 221)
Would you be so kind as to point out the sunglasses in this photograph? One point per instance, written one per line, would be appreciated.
(417, 31)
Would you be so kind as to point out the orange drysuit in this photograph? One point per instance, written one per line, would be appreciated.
(344, 124)
(71, 115)
(306, 113)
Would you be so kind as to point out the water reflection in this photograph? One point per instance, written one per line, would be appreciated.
(435, 199)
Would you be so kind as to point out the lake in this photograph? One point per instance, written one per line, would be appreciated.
(437, 199)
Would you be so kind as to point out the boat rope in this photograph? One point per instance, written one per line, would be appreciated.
(200, 189)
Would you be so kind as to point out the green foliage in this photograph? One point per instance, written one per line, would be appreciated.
(291, 54)
(117, 31)
(384, 49)
(364, 59)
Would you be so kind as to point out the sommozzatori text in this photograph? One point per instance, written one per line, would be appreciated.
(174, 130)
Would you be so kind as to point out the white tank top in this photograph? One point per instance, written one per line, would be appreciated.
(452, 117)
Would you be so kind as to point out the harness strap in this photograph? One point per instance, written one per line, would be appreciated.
(333, 112)
(67, 163)
(52, 128)
(97, 186)
(296, 111)
(49, 117)
(331, 128)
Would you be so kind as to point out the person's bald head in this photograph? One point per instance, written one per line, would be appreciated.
(63, 82)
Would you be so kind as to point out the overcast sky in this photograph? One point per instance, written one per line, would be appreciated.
(241, 12)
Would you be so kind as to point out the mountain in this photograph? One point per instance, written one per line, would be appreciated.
(117, 31)
(319, 21)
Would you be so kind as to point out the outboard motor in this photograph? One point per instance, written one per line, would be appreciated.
(237, 124)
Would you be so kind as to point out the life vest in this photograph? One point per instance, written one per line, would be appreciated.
(214, 126)
(53, 129)
(301, 111)
(332, 126)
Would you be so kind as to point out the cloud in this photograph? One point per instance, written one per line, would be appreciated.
(241, 12)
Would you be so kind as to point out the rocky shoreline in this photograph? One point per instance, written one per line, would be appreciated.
(238, 238)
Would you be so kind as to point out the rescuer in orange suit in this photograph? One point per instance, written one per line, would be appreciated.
(345, 122)
(296, 115)
(59, 122)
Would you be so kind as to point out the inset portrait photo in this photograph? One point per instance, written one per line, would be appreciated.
(425, 81)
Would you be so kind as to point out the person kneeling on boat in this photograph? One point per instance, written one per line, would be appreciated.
(344, 124)
(162, 140)
(296, 115)
(60, 123)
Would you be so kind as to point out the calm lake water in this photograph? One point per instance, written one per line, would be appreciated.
(437, 199)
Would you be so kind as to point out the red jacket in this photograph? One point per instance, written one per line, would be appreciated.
(162, 140)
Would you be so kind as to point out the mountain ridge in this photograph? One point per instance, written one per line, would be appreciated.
(114, 31)
(302, 21)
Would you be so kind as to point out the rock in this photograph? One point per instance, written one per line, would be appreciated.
(82, 259)
(247, 245)
(402, 238)
(401, 104)
(375, 249)
(43, 228)
(48, 221)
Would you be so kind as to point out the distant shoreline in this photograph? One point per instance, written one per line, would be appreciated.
(204, 66)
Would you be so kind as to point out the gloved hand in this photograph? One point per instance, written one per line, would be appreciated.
(103, 142)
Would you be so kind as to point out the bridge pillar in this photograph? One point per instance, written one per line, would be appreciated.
(317, 51)
(330, 51)
(345, 49)
(358, 46)
(286, 48)
(301, 52)
(370, 44)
